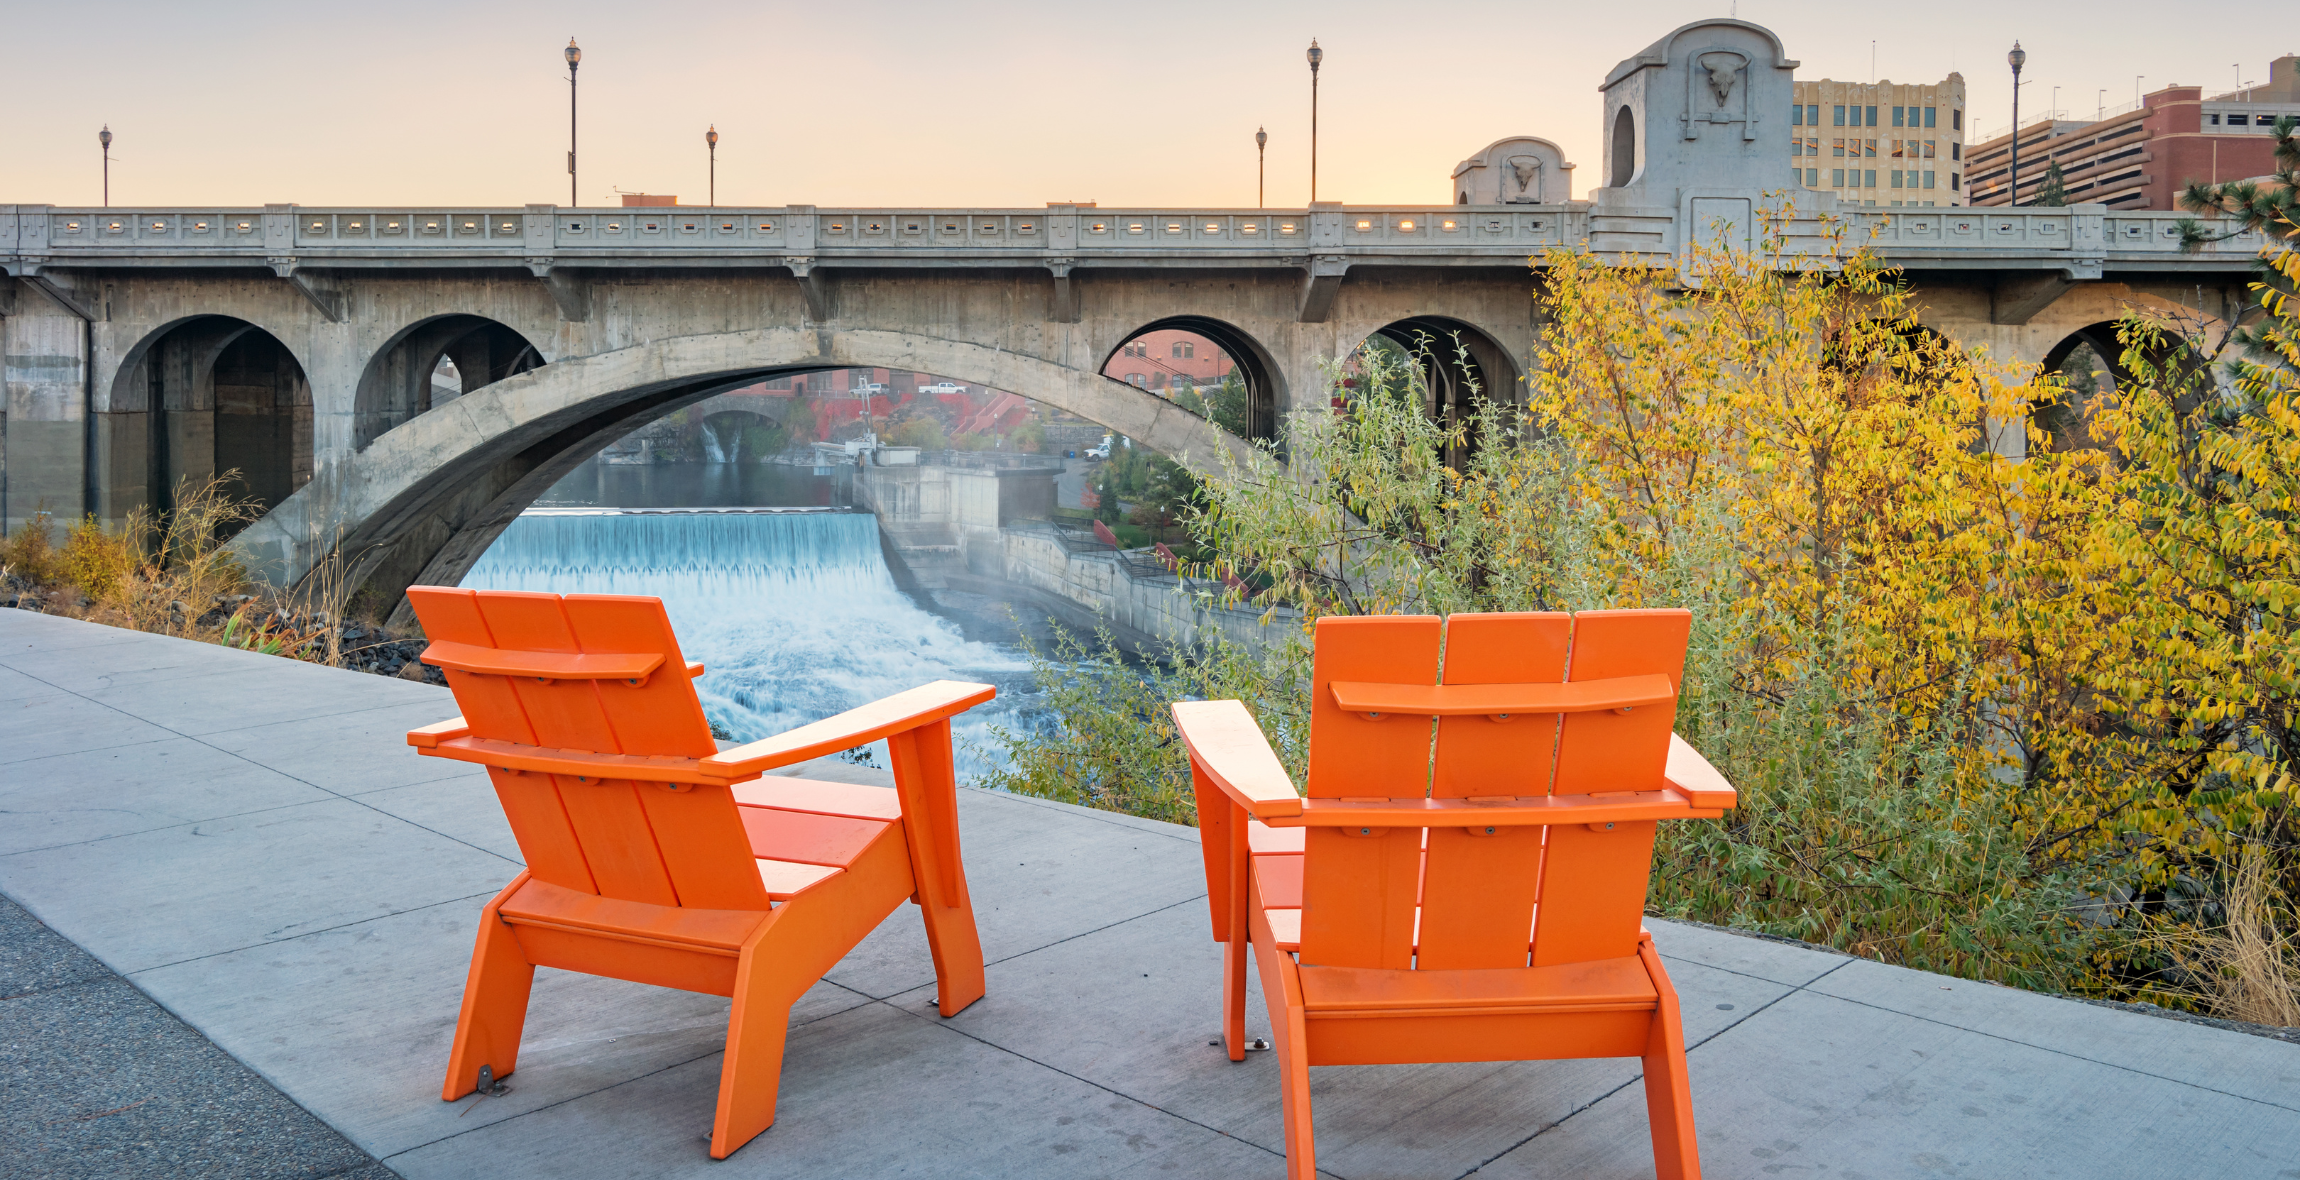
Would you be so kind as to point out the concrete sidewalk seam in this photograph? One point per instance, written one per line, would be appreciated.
(1639, 1076)
(353, 799)
(1094, 813)
(2065, 1053)
(944, 1023)
(416, 909)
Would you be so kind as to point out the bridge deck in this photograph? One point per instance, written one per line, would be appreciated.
(249, 842)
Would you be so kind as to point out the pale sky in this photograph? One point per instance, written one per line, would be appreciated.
(885, 103)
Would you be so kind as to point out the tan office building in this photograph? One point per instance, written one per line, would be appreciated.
(1881, 143)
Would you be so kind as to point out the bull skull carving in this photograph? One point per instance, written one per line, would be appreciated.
(1724, 69)
(1527, 169)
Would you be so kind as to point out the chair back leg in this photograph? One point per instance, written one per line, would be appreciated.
(1668, 1088)
(494, 1003)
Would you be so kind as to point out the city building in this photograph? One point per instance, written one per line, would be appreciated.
(2140, 157)
(1169, 358)
(1881, 143)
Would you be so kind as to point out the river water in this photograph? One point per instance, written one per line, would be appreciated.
(793, 612)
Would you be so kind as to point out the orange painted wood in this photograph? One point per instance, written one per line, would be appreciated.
(853, 800)
(807, 838)
(1448, 886)
(1503, 700)
(1690, 775)
(651, 860)
(784, 879)
(1350, 755)
(466, 657)
(1228, 748)
(930, 702)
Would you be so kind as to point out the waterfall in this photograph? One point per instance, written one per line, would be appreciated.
(717, 450)
(793, 613)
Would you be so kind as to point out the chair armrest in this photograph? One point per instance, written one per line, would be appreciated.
(694, 669)
(1499, 812)
(924, 705)
(1230, 750)
(1691, 774)
(429, 737)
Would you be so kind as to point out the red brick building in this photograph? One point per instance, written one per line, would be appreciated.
(1169, 358)
(2142, 158)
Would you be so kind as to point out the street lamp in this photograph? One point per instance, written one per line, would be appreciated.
(105, 137)
(711, 137)
(1261, 167)
(1316, 55)
(2018, 57)
(574, 58)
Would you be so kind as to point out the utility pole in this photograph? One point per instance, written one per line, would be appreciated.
(1261, 167)
(574, 58)
(711, 138)
(105, 137)
(1316, 55)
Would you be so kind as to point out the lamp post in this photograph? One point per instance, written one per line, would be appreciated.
(1261, 167)
(2018, 57)
(1316, 55)
(574, 58)
(711, 138)
(105, 137)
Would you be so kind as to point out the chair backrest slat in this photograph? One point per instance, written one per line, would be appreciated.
(1478, 898)
(1479, 892)
(1359, 889)
(635, 841)
(1594, 883)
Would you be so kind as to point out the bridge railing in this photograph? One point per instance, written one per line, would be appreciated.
(544, 235)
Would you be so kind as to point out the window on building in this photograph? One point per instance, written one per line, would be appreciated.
(1896, 179)
(1836, 147)
(1872, 115)
(1929, 116)
(1931, 146)
(1813, 146)
(1813, 115)
(1836, 178)
(2212, 120)
(1956, 120)
(1928, 183)
(1185, 350)
(1840, 119)
(1137, 380)
(1952, 182)
(1797, 115)
(1869, 178)
(1869, 147)
(1897, 115)
(1797, 147)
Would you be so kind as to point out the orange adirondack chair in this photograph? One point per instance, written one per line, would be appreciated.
(1469, 895)
(653, 857)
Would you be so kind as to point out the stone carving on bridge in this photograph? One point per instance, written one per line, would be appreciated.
(1520, 170)
(1710, 78)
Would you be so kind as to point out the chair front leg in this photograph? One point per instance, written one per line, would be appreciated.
(927, 782)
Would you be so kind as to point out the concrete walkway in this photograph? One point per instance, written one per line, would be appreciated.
(249, 842)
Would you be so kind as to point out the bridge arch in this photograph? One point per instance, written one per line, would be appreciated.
(1255, 366)
(423, 501)
(201, 395)
(398, 384)
(1460, 364)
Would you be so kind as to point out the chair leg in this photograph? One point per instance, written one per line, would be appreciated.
(752, 1073)
(1294, 1082)
(1668, 1087)
(494, 1004)
(1234, 995)
(957, 950)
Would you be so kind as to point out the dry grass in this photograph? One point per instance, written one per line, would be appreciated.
(169, 576)
(2254, 960)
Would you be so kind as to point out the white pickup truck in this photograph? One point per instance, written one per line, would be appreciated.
(942, 387)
